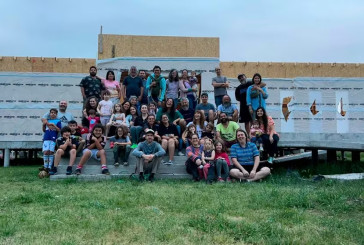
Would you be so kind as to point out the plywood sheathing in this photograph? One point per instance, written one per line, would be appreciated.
(158, 46)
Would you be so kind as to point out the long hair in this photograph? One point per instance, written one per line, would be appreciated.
(173, 108)
(257, 75)
(126, 112)
(107, 75)
(124, 130)
(88, 106)
(212, 145)
(264, 118)
(223, 149)
(114, 110)
(202, 119)
(170, 77)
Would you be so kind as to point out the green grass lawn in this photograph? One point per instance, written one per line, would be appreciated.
(280, 210)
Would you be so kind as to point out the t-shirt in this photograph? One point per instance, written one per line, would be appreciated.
(93, 121)
(133, 86)
(89, 141)
(270, 123)
(61, 141)
(229, 111)
(240, 93)
(221, 90)
(120, 140)
(92, 86)
(171, 129)
(113, 87)
(228, 133)
(205, 108)
(64, 117)
(187, 114)
(160, 112)
(172, 89)
(52, 134)
(245, 156)
(106, 107)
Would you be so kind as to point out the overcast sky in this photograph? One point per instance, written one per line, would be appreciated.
(249, 30)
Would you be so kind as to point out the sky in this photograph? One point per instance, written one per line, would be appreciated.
(249, 30)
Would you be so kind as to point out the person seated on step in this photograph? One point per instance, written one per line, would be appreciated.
(226, 130)
(229, 109)
(194, 161)
(245, 157)
(149, 154)
(67, 145)
(94, 147)
(169, 135)
(76, 133)
(121, 146)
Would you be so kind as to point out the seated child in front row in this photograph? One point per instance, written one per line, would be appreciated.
(94, 147)
(208, 132)
(67, 145)
(121, 145)
(93, 119)
(51, 127)
(117, 119)
(208, 157)
(76, 133)
(187, 134)
(222, 162)
(255, 135)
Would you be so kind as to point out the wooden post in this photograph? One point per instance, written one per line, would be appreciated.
(355, 156)
(315, 156)
(331, 156)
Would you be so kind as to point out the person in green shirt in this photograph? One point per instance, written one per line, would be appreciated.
(174, 115)
(226, 130)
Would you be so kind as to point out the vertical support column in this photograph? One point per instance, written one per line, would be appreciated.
(7, 158)
(355, 156)
(315, 156)
(331, 156)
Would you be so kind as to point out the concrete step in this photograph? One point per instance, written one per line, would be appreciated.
(101, 177)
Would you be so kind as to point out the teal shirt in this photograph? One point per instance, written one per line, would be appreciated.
(177, 115)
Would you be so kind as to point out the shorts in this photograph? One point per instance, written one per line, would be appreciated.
(49, 145)
(104, 120)
(93, 153)
(249, 168)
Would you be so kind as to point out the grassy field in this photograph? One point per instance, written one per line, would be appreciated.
(284, 209)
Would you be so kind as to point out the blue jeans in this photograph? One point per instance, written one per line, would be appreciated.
(218, 100)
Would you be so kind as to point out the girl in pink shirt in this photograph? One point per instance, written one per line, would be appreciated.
(222, 162)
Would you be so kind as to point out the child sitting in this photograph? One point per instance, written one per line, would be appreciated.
(187, 134)
(208, 157)
(51, 127)
(105, 108)
(116, 120)
(208, 132)
(95, 143)
(76, 133)
(121, 146)
(222, 162)
(255, 135)
(93, 119)
(67, 145)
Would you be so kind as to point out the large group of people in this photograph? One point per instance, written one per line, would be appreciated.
(149, 116)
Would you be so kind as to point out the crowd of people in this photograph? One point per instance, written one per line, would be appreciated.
(148, 116)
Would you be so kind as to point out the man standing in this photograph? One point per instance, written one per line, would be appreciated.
(62, 115)
(132, 85)
(156, 86)
(220, 84)
(245, 157)
(240, 95)
(229, 109)
(207, 108)
(226, 130)
(149, 154)
(145, 91)
(91, 85)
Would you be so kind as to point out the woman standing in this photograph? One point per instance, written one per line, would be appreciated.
(270, 137)
(186, 89)
(172, 86)
(112, 86)
(256, 95)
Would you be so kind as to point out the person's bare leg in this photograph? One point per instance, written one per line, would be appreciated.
(85, 158)
(164, 144)
(57, 157)
(247, 127)
(101, 154)
(171, 148)
(72, 157)
(211, 116)
(264, 172)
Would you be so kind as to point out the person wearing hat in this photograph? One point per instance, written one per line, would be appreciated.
(207, 108)
(240, 95)
(149, 154)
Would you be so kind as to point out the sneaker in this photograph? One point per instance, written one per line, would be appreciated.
(228, 179)
(78, 171)
(270, 160)
(220, 180)
(170, 162)
(126, 163)
(105, 171)
(133, 146)
(69, 170)
(116, 164)
(53, 171)
(180, 153)
(164, 162)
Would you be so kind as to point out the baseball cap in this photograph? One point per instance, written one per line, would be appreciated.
(150, 131)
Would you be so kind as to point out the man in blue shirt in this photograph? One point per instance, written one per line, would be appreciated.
(245, 157)
(229, 109)
(132, 85)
